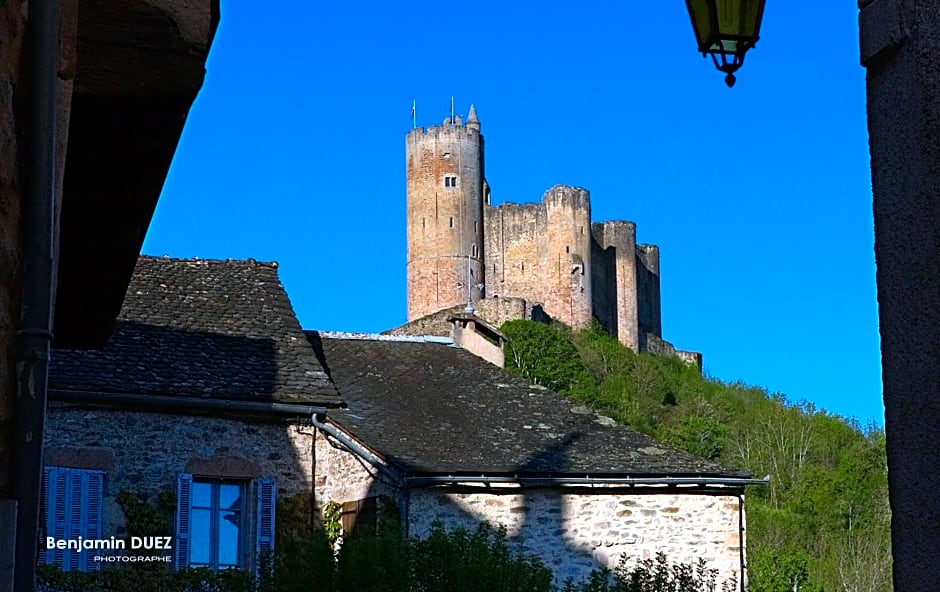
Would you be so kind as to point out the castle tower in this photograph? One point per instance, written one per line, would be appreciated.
(444, 172)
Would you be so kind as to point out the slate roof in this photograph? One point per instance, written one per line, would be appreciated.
(432, 408)
(205, 328)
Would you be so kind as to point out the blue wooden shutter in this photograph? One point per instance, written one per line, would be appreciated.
(93, 491)
(73, 518)
(48, 507)
(57, 510)
(184, 512)
(265, 530)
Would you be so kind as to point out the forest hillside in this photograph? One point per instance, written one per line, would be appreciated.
(822, 523)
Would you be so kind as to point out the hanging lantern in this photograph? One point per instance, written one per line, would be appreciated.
(726, 29)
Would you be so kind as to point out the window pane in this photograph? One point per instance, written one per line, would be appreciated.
(202, 495)
(230, 497)
(200, 541)
(229, 527)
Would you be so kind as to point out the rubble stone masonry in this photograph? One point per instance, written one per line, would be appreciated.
(572, 530)
(574, 533)
(144, 452)
(12, 25)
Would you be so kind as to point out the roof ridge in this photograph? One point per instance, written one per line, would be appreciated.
(249, 261)
(353, 335)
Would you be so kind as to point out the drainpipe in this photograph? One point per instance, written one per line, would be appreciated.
(742, 542)
(34, 337)
(353, 447)
(7, 543)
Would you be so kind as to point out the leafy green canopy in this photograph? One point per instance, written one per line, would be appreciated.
(823, 520)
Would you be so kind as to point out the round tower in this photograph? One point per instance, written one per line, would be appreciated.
(444, 172)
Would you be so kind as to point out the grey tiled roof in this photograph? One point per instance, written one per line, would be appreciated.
(220, 329)
(433, 408)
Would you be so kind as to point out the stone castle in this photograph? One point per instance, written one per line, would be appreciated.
(520, 260)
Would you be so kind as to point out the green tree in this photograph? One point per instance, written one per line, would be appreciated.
(543, 354)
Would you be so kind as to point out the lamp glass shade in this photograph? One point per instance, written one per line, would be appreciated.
(726, 26)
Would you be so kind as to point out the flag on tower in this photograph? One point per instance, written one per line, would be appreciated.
(414, 121)
(453, 121)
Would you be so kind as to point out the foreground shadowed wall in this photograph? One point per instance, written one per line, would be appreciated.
(900, 47)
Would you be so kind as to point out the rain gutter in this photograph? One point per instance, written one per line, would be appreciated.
(185, 403)
(703, 481)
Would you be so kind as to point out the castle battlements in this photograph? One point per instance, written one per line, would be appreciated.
(462, 251)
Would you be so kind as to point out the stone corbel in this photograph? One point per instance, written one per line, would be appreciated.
(883, 29)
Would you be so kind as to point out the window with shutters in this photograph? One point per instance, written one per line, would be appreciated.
(222, 523)
(72, 503)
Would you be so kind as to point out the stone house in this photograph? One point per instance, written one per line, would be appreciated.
(205, 390)
(453, 438)
(209, 390)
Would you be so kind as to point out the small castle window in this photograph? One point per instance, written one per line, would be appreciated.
(567, 249)
(450, 181)
(473, 250)
(451, 221)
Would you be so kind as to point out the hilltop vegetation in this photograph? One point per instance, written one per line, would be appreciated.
(823, 521)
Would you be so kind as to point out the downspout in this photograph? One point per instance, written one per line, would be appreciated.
(741, 541)
(319, 423)
(34, 337)
(353, 447)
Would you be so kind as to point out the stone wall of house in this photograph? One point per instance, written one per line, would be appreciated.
(144, 452)
(575, 532)
(340, 476)
(12, 26)
(468, 338)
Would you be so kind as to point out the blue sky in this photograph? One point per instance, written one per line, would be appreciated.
(758, 196)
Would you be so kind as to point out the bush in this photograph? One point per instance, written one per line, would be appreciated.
(544, 355)
(381, 560)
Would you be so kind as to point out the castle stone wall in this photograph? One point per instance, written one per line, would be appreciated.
(568, 255)
(574, 533)
(444, 172)
(497, 311)
(548, 254)
(542, 252)
(647, 288)
(514, 237)
(618, 239)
